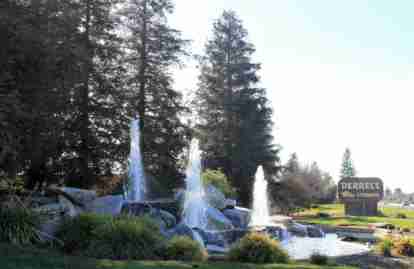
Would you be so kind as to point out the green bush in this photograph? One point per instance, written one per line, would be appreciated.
(401, 216)
(126, 238)
(319, 259)
(404, 246)
(219, 180)
(258, 248)
(385, 247)
(183, 248)
(19, 225)
(77, 233)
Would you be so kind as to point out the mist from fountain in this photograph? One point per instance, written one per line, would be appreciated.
(195, 204)
(260, 211)
(137, 184)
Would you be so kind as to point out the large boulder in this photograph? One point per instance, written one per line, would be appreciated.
(84, 197)
(297, 229)
(216, 220)
(315, 231)
(164, 218)
(180, 229)
(110, 205)
(239, 216)
(215, 197)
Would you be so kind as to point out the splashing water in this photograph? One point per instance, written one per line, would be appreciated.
(260, 213)
(137, 188)
(195, 205)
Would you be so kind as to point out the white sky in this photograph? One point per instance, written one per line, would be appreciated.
(338, 74)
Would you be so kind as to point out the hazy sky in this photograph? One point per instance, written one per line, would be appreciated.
(338, 74)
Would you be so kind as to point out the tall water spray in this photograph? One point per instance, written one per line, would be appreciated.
(260, 213)
(137, 185)
(195, 205)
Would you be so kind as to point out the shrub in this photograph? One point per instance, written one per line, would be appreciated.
(258, 248)
(404, 246)
(323, 215)
(19, 225)
(126, 238)
(319, 259)
(401, 216)
(183, 248)
(77, 233)
(385, 247)
(406, 230)
(219, 180)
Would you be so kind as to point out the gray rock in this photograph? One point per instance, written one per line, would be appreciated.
(297, 229)
(230, 203)
(80, 195)
(216, 220)
(215, 197)
(239, 216)
(180, 229)
(69, 208)
(315, 231)
(164, 218)
(111, 205)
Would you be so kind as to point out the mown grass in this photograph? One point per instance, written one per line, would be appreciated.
(22, 258)
(337, 217)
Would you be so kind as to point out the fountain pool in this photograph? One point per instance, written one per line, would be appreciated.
(300, 248)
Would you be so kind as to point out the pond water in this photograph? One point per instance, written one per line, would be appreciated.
(303, 247)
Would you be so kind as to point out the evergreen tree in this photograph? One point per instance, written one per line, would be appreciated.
(235, 118)
(292, 165)
(347, 169)
(153, 47)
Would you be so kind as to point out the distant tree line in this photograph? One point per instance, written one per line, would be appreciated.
(301, 186)
(75, 72)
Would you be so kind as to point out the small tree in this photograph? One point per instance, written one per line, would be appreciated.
(348, 168)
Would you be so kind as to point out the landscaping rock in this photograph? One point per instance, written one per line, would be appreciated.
(314, 231)
(110, 205)
(82, 196)
(180, 229)
(239, 216)
(69, 208)
(230, 203)
(297, 229)
(216, 220)
(215, 197)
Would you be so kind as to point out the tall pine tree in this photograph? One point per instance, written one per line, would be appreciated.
(235, 118)
(153, 48)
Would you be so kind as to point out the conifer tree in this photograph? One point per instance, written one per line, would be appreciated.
(153, 48)
(235, 125)
(347, 169)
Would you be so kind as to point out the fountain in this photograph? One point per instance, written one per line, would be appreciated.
(195, 205)
(260, 214)
(137, 185)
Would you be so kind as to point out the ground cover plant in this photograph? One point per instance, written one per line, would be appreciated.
(13, 257)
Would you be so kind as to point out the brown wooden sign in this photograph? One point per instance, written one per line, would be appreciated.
(360, 195)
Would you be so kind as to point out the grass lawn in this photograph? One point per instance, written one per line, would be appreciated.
(23, 258)
(338, 218)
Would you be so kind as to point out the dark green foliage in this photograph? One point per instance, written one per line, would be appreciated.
(219, 180)
(235, 127)
(258, 248)
(319, 259)
(19, 225)
(126, 238)
(77, 233)
(183, 248)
